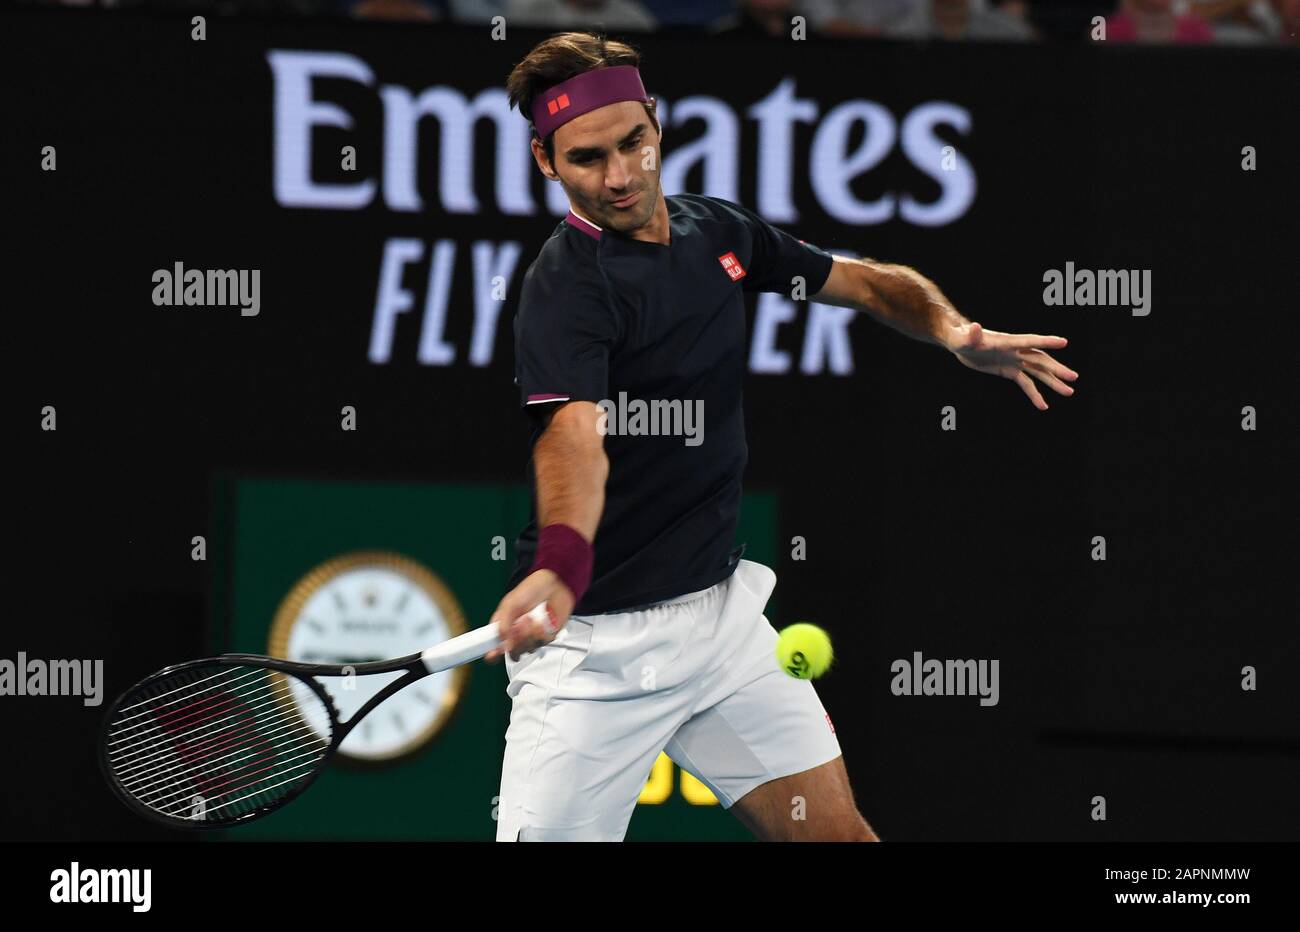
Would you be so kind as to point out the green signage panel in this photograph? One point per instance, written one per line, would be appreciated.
(304, 569)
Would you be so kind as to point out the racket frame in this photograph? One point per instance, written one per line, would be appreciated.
(415, 669)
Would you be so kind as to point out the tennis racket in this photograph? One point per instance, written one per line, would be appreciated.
(223, 741)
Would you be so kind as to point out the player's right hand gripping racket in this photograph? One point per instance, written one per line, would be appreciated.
(223, 741)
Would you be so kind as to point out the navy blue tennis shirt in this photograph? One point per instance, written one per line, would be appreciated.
(602, 314)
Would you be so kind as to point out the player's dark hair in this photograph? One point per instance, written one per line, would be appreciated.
(565, 55)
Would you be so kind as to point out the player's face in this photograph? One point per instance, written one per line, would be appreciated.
(608, 163)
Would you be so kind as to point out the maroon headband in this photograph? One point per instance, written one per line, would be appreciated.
(583, 93)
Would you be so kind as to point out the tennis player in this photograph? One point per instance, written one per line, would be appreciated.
(657, 640)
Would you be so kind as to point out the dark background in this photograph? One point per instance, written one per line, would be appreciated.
(1118, 678)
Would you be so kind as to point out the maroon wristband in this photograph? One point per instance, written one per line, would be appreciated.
(565, 552)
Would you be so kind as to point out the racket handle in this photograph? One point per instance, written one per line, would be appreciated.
(472, 645)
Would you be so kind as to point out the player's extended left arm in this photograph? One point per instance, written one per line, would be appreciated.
(905, 300)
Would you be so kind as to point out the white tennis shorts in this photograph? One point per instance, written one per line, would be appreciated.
(695, 676)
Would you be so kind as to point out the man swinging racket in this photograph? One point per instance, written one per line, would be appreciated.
(657, 640)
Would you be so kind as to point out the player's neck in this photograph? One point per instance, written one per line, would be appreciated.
(658, 229)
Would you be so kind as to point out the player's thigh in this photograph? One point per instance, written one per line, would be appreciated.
(575, 761)
(770, 727)
(573, 768)
(815, 805)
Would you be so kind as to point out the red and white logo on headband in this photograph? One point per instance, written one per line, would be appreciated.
(583, 93)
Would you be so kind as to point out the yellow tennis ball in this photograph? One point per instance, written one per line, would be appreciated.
(804, 651)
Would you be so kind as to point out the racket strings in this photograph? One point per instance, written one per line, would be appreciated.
(249, 753)
(143, 769)
(214, 743)
(151, 706)
(134, 753)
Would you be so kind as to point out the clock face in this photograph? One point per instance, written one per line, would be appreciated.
(364, 608)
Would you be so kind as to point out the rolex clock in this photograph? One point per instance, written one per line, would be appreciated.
(373, 605)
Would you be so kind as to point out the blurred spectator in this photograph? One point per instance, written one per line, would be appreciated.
(477, 11)
(578, 14)
(1220, 21)
(769, 18)
(1155, 21)
(217, 7)
(1240, 20)
(856, 17)
(960, 19)
(1288, 12)
(1064, 20)
(703, 14)
(402, 10)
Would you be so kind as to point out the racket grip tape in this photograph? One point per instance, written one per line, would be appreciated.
(473, 645)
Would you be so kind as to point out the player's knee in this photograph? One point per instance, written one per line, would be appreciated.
(852, 829)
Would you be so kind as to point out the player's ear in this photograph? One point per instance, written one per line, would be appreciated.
(654, 112)
(545, 163)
